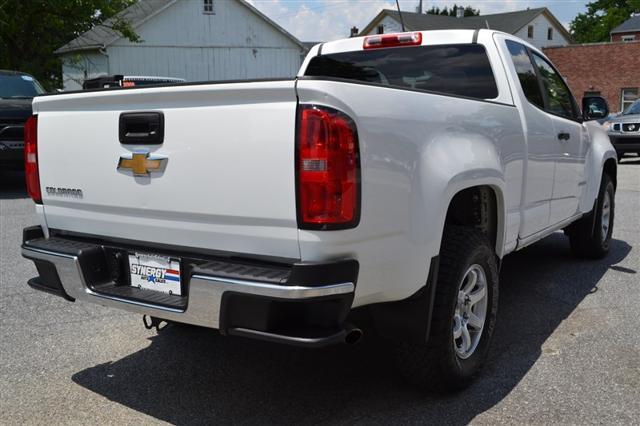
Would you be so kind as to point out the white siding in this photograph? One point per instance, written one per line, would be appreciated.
(182, 41)
(184, 24)
(78, 67)
(390, 26)
(540, 26)
(201, 64)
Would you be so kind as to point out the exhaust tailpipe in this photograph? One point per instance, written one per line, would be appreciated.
(352, 335)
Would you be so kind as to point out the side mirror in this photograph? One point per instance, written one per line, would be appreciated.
(594, 108)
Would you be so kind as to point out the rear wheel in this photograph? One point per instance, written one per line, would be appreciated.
(590, 237)
(463, 317)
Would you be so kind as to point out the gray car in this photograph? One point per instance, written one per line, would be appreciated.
(624, 130)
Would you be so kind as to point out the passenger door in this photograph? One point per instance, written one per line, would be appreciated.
(541, 143)
(571, 140)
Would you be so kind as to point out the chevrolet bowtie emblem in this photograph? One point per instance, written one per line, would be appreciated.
(142, 163)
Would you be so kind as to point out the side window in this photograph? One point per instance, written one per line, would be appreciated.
(558, 94)
(526, 73)
(450, 69)
(208, 7)
(627, 96)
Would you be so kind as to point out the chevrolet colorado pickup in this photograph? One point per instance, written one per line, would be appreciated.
(385, 182)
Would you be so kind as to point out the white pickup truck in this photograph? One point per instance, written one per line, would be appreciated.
(382, 185)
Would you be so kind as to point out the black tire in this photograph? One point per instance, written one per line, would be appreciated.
(586, 236)
(436, 365)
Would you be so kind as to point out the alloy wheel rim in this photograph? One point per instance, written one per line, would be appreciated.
(606, 216)
(471, 311)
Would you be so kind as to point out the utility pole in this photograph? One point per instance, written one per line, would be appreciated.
(419, 8)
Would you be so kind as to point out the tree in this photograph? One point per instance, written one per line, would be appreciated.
(31, 30)
(468, 11)
(601, 17)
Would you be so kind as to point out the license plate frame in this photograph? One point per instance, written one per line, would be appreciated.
(155, 272)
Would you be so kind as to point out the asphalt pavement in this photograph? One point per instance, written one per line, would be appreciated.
(566, 350)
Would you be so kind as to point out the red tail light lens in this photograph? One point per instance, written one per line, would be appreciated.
(31, 158)
(328, 169)
(392, 40)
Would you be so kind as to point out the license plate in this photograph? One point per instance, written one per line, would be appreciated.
(157, 273)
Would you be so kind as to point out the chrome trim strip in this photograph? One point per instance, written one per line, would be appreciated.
(205, 292)
(278, 291)
(28, 251)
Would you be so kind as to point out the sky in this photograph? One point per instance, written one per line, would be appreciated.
(325, 20)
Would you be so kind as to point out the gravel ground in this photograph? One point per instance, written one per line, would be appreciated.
(565, 351)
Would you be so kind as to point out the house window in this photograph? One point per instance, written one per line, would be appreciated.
(530, 31)
(380, 29)
(207, 7)
(631, 37)
(627, 97)
(549, 33)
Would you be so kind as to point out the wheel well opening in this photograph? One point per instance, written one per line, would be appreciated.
(477, 207)
(611, 169)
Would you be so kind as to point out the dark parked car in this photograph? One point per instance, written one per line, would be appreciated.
(624, 130)
(17, 90)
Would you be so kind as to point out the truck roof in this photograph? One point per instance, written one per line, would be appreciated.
(446, 36)
(429, 37)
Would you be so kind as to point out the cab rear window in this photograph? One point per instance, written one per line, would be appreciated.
(456, 69)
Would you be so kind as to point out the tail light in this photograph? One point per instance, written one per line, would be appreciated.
(392, 40)
(328, 169)
(31, 158)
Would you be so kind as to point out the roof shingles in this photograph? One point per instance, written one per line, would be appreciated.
(509, 22)
(101, 35)
(630, 25)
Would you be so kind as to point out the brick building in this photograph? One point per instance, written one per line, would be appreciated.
(629, 30)
(611, 70)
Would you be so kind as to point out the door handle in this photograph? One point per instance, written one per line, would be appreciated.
(141, 128)
(564, 136)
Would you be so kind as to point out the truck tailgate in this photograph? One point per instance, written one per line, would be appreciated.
(229, 181)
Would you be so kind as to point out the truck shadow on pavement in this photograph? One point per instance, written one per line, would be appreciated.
(190, 375)
(12, 185)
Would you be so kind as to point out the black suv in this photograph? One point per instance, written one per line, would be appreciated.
(17, 90)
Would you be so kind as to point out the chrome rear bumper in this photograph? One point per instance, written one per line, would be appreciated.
(205, 292)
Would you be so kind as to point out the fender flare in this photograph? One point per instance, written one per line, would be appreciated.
(451, 166)
(601, 151)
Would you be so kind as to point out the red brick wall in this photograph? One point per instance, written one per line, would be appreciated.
(602, 67)
(618, 37)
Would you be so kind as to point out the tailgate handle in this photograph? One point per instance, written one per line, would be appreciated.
(141, 128)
